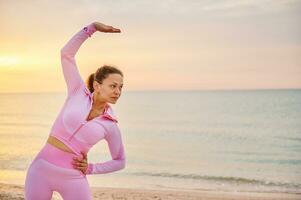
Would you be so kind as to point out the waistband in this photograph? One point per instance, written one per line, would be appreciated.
(57, 156)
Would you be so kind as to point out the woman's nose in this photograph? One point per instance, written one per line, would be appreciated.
(118, 91)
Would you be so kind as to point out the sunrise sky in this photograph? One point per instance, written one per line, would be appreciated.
(164, 45)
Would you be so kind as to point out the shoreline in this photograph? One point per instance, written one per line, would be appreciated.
(16, 192)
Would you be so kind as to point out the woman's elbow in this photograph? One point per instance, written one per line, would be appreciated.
(64, 52)
(122, 163)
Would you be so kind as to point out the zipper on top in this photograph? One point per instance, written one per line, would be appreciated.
(83, 123)
(76, 131)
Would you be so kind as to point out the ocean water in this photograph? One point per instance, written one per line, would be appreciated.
(195, 140)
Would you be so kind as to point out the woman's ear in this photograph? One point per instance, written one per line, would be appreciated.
(95, 85)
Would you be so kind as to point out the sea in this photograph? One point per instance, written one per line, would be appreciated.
(225, 140)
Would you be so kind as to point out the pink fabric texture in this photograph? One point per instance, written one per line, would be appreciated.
(50, 171)
(71, 126)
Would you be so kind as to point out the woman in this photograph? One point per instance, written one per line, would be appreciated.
(85, 119)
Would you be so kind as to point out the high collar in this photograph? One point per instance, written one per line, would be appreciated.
(108, 112)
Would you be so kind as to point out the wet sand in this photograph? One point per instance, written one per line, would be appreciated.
(16, 192)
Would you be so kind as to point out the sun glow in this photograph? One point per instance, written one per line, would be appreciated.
(7, 61)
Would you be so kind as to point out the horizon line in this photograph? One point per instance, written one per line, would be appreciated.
(169, 90)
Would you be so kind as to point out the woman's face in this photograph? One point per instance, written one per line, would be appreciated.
(110, 88)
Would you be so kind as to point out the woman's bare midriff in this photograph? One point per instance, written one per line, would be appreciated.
(58, 144)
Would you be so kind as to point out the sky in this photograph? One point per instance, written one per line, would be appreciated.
(163, 45)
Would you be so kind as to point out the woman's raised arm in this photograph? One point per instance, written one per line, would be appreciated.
(70, 70)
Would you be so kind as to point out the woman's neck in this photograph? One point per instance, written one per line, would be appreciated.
(98, 105)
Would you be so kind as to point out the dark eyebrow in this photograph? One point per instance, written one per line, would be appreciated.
(117, 83)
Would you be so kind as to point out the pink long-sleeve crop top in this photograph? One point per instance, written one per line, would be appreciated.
(71, 126)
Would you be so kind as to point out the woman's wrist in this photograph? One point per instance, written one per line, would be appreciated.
(89, 169)
(90, 29)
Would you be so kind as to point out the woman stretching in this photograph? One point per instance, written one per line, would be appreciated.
(84, 119)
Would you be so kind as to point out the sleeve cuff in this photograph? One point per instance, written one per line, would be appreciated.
(89, 169)
(90, 29)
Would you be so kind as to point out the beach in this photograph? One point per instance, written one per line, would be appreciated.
(210, 114)
(16, 192)
(231, 143)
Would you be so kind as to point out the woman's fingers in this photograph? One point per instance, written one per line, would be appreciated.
(115, 30)
(81, 168)
(105, 28)
(84, 155)
(80, 164)
(111, 29)
(80, 160)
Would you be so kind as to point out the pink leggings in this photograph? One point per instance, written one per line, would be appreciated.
(51, 170)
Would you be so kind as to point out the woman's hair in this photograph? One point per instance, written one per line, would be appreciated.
(101, 74)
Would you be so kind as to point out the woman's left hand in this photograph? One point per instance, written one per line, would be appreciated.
(81, 164)
(105, 28)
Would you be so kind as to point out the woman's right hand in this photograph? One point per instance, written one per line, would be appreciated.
(81, 164)
(105, 28)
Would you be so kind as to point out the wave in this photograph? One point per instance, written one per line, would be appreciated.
(297, 139)
(231, 180)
